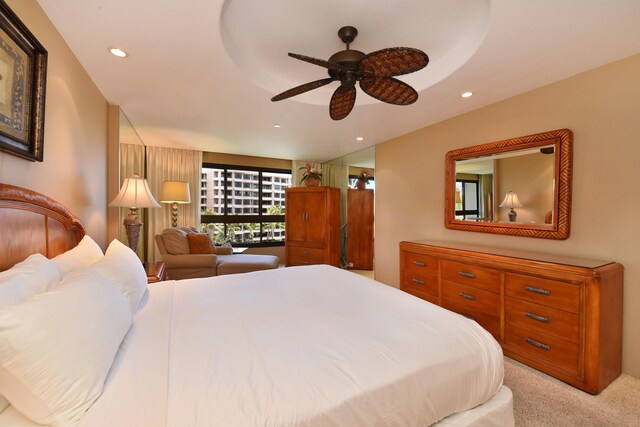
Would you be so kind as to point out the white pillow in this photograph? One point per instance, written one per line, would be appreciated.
(28, 278)
(122, 267)
(56, 349)
(84, 254)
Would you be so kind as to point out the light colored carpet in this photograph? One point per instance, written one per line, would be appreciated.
(540, 400)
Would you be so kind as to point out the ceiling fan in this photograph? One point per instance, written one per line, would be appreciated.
(374, 71)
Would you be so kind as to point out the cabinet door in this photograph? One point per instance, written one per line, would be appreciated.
(316, 217)
(295, 217)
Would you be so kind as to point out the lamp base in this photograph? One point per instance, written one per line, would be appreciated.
(512, 215)
(174, 215)
(132, 225)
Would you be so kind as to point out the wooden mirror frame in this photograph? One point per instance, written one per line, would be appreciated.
(562, 140)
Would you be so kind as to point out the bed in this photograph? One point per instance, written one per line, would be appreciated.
(301, 346)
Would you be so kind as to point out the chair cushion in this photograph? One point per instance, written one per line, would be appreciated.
(200, 244)
(231, 264)
(175, 241)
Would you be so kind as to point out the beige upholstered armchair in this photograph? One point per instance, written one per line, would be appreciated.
(177, 249)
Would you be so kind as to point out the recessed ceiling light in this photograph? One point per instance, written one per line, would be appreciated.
(118, 52)
(466, 94)
(276, 125)
(359, 138)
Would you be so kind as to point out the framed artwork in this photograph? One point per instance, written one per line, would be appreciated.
(23, 76)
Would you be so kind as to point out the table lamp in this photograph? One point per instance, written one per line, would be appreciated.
(511, 201)
(134, 194)
(175, 192)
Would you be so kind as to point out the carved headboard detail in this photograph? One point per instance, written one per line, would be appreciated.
(31, 222)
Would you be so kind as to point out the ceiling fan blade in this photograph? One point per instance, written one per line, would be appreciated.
(301, 89)
(342, 102)
(394, 61)
(316, 61)
(389, 90)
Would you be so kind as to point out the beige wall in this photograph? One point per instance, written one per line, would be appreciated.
(601, 107)
(75, 135)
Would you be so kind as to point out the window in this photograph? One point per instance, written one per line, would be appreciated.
(251, 213)
(466, 199)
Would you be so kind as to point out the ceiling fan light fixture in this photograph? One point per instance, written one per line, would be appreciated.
(373, 71)
(115, 51)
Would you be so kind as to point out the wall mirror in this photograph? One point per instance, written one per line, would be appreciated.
(519, 186)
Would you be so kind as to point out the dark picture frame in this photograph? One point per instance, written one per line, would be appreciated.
(23, 76)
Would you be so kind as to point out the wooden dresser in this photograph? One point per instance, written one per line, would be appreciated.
(560, 315)
(312, 226)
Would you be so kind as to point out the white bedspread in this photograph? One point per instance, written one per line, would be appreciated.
(302, 346)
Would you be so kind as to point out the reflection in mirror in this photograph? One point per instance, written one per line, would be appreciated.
(489, 188)
(519, 186)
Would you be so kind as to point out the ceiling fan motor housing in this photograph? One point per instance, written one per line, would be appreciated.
(349, 59)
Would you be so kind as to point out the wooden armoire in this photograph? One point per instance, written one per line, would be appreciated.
(312, 226)
(360, 229)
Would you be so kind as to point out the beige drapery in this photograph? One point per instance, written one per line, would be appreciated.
(172, 164)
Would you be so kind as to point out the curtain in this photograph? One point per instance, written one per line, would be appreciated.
(132, 161)
(485, 182)
(172, 164)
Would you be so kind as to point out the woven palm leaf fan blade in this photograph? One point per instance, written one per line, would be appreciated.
(342, 102)
(394, 61)
(389, 90)
(302, 89)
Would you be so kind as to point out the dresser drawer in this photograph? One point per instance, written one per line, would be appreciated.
(421, 264)
(300, 255)
(559, 353)
(478, 299)
(552, 321)
(419, 284)
(472, 275)
(488, 322)
(552, 293)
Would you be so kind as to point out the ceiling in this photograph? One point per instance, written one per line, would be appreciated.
(201, 73)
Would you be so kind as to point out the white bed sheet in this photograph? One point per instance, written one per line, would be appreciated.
(312, 346)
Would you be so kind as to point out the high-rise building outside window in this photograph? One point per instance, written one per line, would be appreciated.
(252, 212)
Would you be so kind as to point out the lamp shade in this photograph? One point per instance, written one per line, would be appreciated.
(135, 193)
(175, 192)
(511, 201)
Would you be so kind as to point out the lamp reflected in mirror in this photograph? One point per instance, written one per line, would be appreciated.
(511, 201)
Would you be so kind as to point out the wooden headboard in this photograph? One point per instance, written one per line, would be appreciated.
(31, 222)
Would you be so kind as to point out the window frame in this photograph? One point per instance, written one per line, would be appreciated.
(226, 218)
(464, 212)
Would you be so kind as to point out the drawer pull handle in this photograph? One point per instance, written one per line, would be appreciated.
(538, 344)
(538, 318)
(465, 274)
(418, 281)
(305, 262)
(537, 290)
(467, 296)
(420, 263)
(469, 317)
